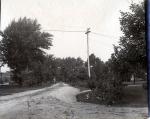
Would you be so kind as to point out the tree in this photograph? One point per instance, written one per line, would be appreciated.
(69, 68)
(130, 55)
(97, 66)
(132, 47)
(22, 44)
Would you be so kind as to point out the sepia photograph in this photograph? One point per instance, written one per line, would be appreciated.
(74, 59)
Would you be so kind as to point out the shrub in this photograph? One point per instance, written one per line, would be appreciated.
(91, 84)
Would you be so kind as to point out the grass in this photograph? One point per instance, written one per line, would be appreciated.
(8, 90)
(133, 96)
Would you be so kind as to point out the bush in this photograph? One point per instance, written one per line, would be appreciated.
(145, 86)
(91, 84)
(109, 90)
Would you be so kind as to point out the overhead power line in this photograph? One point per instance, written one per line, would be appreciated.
(104, 35)
(130, 1)
(100, 34)
(62, 30)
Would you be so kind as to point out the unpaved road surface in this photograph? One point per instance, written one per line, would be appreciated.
(59, 102)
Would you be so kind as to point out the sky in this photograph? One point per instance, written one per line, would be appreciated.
(101, 16)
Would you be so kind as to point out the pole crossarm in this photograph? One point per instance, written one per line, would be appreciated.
(88, 31)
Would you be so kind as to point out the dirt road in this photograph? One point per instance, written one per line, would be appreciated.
(59, 102)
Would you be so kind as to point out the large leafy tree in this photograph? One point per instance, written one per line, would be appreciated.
(132, 47)
(70, 67)
(23, 43)
(70, 70)
(130, 54)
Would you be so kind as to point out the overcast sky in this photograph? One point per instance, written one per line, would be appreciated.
(102, 16)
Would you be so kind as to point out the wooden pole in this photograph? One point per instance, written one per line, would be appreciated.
(87, 33)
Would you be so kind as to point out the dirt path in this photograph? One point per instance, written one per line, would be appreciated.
(59, 102)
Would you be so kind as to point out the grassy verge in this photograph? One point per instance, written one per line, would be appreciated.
(133, 96)
(9, 90)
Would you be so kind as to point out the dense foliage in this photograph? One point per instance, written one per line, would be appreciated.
(130, 54)
(22, 44)
(129, 57)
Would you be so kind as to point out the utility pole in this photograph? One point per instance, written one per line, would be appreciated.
(87, 33)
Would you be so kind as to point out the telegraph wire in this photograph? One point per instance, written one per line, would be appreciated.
(80, 31)
(130, 1)
(100, 34)
(55, 30)
(104, 35)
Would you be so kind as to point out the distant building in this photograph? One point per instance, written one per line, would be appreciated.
(5, 77)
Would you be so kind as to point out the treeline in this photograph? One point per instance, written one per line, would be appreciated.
(70, 70)
(23, 44)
